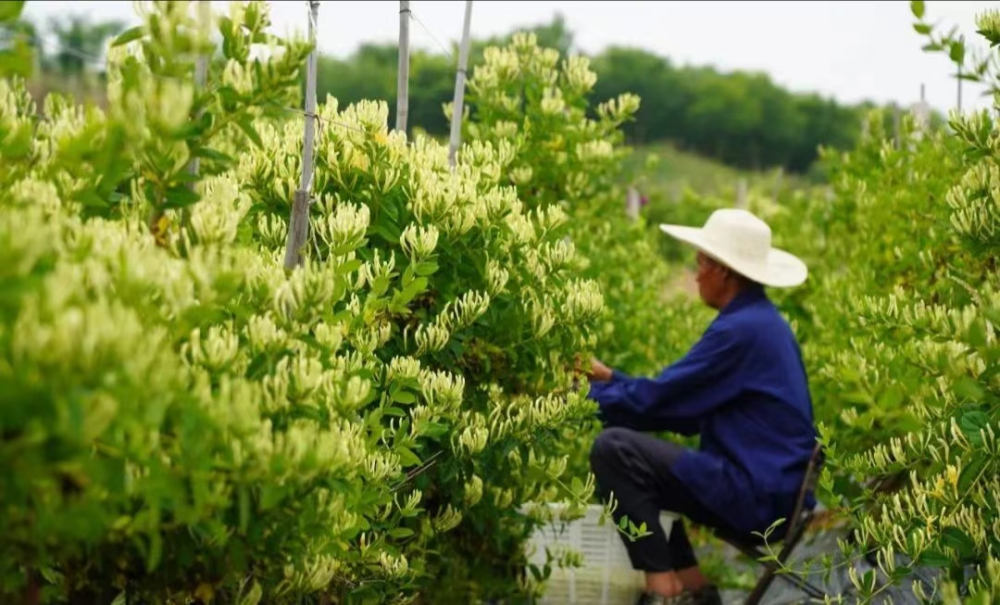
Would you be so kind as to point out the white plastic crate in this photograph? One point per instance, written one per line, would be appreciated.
(605, 576)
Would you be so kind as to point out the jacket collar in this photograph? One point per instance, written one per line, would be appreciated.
(753, 294)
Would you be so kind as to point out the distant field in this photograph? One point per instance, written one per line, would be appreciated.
(666, 176)
(665, 171)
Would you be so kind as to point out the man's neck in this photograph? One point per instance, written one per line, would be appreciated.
(733, 293)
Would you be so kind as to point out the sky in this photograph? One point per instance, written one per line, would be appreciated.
(849, 50)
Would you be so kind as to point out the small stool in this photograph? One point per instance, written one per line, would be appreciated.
(799, 521)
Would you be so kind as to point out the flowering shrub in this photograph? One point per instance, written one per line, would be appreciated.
(569, 154)
(898, 326)
(918, 378)
(185, 420)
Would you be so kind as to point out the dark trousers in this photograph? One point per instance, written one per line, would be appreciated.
(636, 467)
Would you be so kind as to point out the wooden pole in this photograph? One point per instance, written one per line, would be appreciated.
(896, 126)
(298, 224)
(632, 203)
(741, 193)
(458, 104)
(403, 75)
(922, 113)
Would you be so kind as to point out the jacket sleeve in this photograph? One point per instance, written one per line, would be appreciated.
(709, 376)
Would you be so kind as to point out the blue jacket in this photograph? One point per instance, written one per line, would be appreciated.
(743, 388)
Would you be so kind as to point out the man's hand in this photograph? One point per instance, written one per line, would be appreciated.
(599, 371)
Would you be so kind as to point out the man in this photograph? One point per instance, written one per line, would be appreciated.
(743, 388)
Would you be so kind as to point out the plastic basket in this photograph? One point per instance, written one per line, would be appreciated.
(605, 576)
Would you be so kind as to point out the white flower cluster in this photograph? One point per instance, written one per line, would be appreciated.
(306, 401)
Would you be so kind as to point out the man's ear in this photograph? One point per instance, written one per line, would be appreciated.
(729, 274)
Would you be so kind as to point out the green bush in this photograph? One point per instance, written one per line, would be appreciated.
(898, 326)
(525, 96)
(182, 419)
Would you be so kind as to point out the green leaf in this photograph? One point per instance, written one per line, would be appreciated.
(349, 266)
(17, 61)
(404, 397)
(891, 397)
(155, 551)
(212, 154)
(922, 28)
(180, 197)
(388, 230)
(89, 198)
(247, 127)
(243, 495)
(129, 35)
(987, 375)
(917, 8)
(972, 422)
(933, 558)
(392, 211)
(10, 11)
(956, 52)
(407, 457)
(968, 388)
(959, 541)
(379, 286)
(408, 293)
(970, 473)
(401, 532)
(426, 268)
(991, 35)
(435, 429)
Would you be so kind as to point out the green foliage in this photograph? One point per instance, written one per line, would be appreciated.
(564, 155)
(16, 55)
(898, 326)
(183, 419)
(742, 119)
(916, 379)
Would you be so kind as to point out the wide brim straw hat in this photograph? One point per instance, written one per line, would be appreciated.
(741, 241)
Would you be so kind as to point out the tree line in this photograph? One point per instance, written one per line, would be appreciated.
(740, 118)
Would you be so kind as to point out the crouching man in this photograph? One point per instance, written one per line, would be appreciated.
(742, 388)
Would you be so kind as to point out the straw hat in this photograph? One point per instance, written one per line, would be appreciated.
(741, 241)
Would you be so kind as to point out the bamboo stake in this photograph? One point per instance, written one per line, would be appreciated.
(632, 203)
(897, 127)
(741, 193)
(298, 224)
(458, 105)
(959, 88)
(403, 71)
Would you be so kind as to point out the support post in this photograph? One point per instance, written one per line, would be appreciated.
(298, 224)
(403, 71)
(458, 104)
